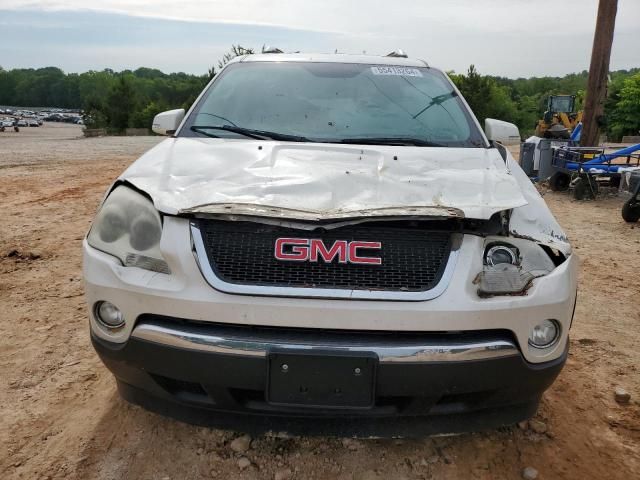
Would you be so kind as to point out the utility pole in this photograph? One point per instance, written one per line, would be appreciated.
(598, 72)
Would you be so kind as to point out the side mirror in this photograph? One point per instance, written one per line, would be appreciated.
(504, 132)
(166, 123)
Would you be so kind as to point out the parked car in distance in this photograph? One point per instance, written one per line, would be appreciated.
(22, 123)
(33, 122)
(330, 243)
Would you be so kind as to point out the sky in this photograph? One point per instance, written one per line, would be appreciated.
(513, 38)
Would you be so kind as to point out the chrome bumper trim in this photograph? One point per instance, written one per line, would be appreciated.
(404, 352)
(216, 282)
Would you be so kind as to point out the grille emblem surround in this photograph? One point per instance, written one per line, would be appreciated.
(314, 250)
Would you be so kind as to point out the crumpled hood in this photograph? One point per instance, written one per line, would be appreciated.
(322, 181)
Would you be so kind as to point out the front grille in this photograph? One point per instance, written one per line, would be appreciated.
(413, 258)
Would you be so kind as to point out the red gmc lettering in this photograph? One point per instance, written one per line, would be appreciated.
(314, 250)
(297, 254)
(339, 248)
(355, 246)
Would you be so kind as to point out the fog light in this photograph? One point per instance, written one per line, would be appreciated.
(544, 334)
(109, 315)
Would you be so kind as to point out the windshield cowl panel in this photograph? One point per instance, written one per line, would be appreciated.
(334, 103)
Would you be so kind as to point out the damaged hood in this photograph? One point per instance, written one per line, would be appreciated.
(308, 181)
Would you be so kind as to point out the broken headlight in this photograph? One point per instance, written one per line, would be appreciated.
(500, 254)
(129, 227)
(510, 267)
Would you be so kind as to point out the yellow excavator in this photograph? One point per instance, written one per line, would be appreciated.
(560, 118)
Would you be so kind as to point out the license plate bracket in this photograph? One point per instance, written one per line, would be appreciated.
(322, 380)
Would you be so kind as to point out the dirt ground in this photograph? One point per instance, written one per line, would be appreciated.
(60, 415)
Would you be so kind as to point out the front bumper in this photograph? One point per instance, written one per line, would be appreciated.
(217, 375)
(186, 294)
(454, 363)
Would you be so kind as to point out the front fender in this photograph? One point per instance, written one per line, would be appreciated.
(534, 221)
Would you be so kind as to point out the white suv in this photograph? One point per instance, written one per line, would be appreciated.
(330, 243)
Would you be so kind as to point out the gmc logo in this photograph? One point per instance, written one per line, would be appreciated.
(314, 250)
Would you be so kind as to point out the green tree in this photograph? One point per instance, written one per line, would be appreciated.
(476, 90)
(94, 115)
(121, 104)
(236, 51)
(144, 118)
(486, 96)
(624, 110)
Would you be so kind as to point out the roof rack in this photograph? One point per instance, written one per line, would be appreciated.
(268, 49)
(397, 53)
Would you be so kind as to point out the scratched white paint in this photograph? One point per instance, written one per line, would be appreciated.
(534, 220)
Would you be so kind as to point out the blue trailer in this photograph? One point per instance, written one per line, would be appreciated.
(585, 169)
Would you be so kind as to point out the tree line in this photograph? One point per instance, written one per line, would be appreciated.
(131, 98)
(117, 100)
(523, 101)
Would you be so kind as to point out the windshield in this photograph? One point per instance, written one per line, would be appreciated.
(334, 102)
(562, 104)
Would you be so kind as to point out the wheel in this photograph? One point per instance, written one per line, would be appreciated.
(585, 187)
(614, 181)
(559, 182)
(631, 210)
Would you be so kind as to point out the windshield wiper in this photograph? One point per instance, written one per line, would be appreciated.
(249, 132)
(437, 100)
(203, 130)
(401, 141)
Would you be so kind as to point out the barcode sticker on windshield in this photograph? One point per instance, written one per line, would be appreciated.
(394, 70)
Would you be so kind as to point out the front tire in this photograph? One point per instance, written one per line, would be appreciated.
(559, 182)
(585, 187)
(631, 211)
(614, 181)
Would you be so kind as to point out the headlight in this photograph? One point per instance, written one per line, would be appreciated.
(510, 265)
(129, 227)
(498, 254)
